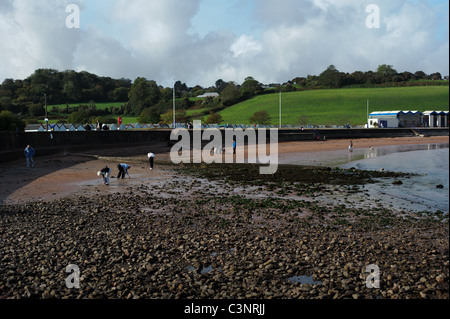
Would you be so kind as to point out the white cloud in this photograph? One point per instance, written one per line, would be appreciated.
(34, 35)
(245, 46)
(279, 39)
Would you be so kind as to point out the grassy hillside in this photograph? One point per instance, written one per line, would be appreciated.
(339, 106)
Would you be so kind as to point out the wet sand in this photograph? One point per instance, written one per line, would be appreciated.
(56, 177)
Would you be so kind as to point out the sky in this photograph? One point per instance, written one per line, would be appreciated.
(198, 42)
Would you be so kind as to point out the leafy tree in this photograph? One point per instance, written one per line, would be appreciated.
(180, 89)
(197, 90)
(10, 122)
(36, 110)
(386, 70)
(231, 94)
(120, 94)
(330, 77)
(250, 88)
(436, 76)
(167, 118)
(214, 118)
(387, 73)
(167, 94)
(105, 120)
(72, 92)
(221, 85)
(143, 94)
(420, 75)
(184, 104)
(149, 115)
(79, 117)
(261, 118)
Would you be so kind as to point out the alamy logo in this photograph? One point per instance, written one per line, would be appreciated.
(373, 279)
(373, 19)
(257, 147)
(73, 280)
(73, 19)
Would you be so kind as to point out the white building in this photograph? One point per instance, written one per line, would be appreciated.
(209, 94)
(395, 119)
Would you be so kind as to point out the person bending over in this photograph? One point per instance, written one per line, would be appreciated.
(123, 169)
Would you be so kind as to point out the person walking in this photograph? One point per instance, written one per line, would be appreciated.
(123, 169)
(105, 173)
(151, 158)
(29, 153)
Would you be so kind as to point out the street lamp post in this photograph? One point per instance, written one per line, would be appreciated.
(280, 108)
(174, 123)
(367, 114)
(46, 118)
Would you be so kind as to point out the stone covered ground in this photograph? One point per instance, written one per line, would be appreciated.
(213, 232)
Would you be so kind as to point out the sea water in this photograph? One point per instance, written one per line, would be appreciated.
(428, 162)
(430, 166)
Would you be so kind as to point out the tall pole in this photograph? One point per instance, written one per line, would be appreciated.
(174, 125)
(367, 113)
(280, 107)
(46, 118)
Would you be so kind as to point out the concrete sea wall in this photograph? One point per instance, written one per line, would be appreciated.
(13, 143)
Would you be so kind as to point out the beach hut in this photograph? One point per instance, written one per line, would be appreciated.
(435, 119)
(35, 128)
(410, 119)
(135, 126)
(71, 127)
(112, 127)
(59, 128)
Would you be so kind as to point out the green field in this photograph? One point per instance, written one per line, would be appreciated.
(338, 106)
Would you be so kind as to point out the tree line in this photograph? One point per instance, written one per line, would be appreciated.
(152, 103)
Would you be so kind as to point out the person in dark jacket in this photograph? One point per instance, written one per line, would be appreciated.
(151, 157)
(105, 173)
(29, 153)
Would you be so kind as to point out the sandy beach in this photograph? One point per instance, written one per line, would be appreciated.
(56, 177)
(188, 232)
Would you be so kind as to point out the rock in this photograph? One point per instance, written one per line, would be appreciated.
(397, 182)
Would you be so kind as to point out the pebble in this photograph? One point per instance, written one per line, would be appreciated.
(147, 249)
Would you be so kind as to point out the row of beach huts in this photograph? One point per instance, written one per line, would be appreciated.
(135, 126)
(89, 127)
(383, 119)
(408, 119)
